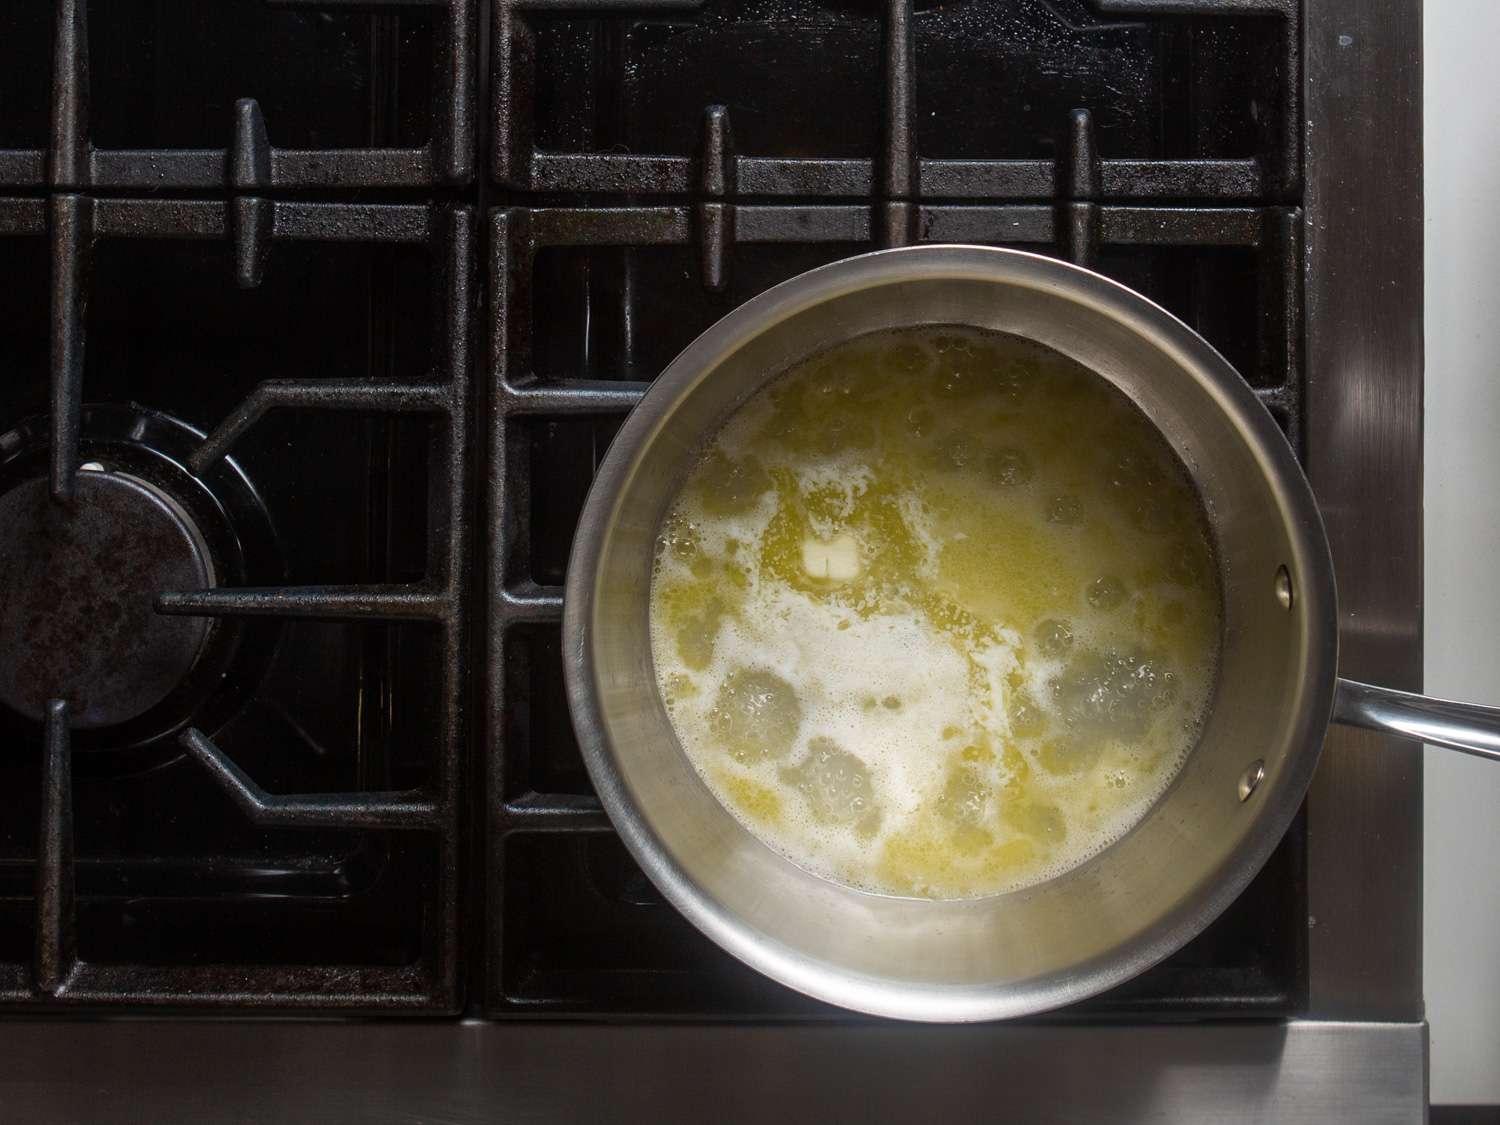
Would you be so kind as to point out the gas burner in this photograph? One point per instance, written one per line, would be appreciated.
(80, 578)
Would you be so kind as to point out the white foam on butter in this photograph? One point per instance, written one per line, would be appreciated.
(847, 477)
(915, 516)
(996, 662)
(844, 669)
(714, 532)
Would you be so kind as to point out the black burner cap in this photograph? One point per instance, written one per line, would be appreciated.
(77, 585)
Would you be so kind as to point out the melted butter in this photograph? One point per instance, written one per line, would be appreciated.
(936, 614)
(758, 803)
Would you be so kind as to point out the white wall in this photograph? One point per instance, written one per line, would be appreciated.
(1462, 492)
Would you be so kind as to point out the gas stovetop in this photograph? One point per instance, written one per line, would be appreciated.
(320, 314)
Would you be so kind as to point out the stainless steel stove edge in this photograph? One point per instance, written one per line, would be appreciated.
(1362, 156)
(394, 1071)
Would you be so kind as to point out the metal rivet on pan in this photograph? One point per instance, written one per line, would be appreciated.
(1251, 778)
(1284, 587)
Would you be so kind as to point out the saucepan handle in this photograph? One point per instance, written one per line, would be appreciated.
(1459, 726)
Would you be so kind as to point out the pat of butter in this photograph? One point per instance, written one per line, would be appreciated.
(835, 560)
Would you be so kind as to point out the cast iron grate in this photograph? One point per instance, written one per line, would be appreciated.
(363, 55)
(651, 165)
(549, 139)
(608, 259)
(341, 888)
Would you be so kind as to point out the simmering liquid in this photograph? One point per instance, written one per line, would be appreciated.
(936, 614)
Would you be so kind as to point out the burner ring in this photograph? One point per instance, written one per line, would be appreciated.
(224, 518)
(79, 578)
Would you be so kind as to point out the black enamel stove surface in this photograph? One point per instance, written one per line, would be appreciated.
(317, 317)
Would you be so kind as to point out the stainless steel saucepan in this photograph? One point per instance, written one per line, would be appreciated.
(1200, 844)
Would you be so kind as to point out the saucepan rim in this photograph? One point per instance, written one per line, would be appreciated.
(1303, 526)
